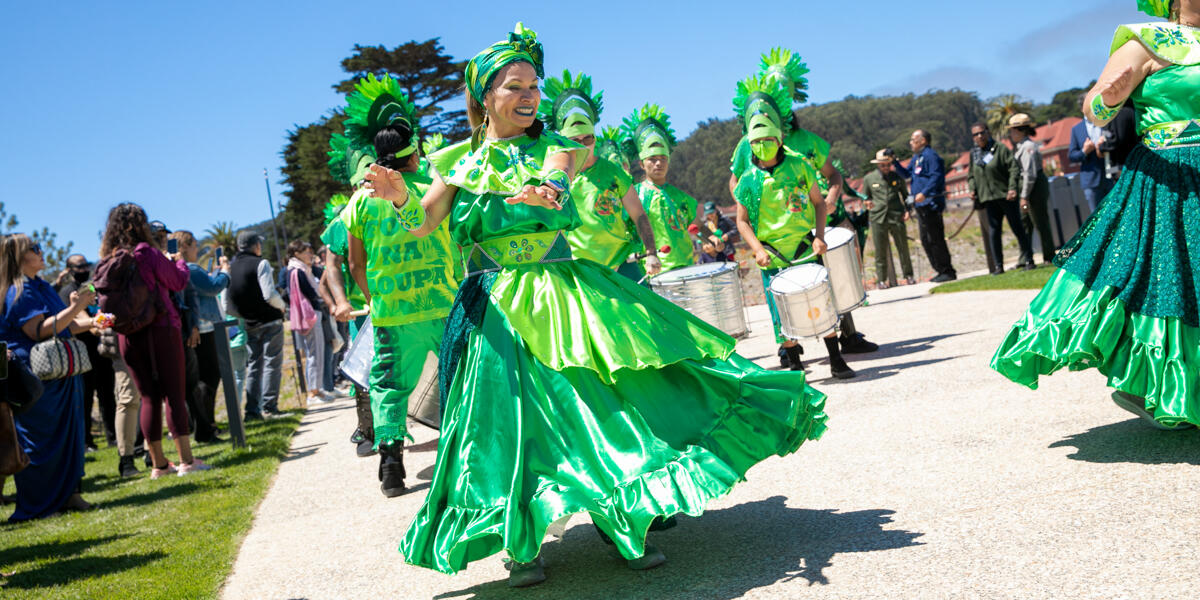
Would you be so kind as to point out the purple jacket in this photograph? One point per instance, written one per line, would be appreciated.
(164, 277)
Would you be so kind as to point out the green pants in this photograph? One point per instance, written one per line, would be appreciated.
(890, 228)
(400, 355)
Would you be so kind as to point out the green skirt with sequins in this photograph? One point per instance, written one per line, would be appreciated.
(1124, 300)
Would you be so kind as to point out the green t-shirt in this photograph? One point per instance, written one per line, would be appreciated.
(604, 235)
(778, 205)
(411, 279)
(670, 211)
(335, 239)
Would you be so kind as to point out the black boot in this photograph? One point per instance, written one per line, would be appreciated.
(836, 363)
(391, 469)
(793, 355)
(126, 466)
(856, 344)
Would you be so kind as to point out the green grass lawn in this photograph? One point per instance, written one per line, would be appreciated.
(1008, 280)
(174, 537)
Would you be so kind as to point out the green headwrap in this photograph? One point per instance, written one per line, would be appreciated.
(521, 45)
(568, 106)
(373, 105)
(1155, 8)
(761, 103)
(785, 68)
(647, 132)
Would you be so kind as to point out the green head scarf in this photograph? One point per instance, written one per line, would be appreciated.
(785, 68)
(374, 104)
(647, 132)
(1155, 8)
(569, 107)
(763, 105)
(521, 45)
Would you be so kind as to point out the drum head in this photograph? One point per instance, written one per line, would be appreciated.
(693, 272)
(837, 236)
(799, 278)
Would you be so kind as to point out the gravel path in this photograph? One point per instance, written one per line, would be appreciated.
(937, 479)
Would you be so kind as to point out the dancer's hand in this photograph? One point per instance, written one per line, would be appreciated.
(819, 246)
(387, 184)
(1114, 90)
(762, 258)
(542, 195)
(653, 265)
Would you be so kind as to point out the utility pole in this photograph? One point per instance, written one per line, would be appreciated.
(274, 229)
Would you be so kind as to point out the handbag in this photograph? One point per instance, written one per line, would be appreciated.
(302, 315)
(59, 357)
(12, 458)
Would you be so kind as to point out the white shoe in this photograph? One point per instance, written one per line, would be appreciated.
(331, 396)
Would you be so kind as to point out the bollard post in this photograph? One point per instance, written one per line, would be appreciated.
(233, 405)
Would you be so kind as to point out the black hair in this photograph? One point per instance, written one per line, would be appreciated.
(390, 140)
(980, 124)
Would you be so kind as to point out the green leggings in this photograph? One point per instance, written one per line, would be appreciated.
(400, 355)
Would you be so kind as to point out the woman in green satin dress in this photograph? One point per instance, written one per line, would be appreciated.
(568, 388)
(1124, 300)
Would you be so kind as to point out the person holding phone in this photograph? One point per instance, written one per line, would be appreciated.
(202, 392)
(51, 431)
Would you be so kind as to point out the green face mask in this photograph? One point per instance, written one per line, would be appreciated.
(765, 150)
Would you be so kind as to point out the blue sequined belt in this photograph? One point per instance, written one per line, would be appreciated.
(1173, 134)
(517, 250)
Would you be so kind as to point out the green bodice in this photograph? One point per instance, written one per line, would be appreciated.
(495, 171)
(604, 235)
(778, 205)
(669, 211)
(1170, 95)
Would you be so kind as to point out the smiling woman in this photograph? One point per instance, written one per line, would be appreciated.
(554, 371)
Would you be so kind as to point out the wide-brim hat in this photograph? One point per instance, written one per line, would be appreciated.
(882, 157)
(1020, 120)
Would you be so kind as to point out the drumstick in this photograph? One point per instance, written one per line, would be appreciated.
(637, 257)
(354, 314)
(777, 254)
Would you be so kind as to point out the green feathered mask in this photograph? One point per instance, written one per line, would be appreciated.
(763, 106)
(608, 147)
(334, 207)
(569, 107)
(785, 68)
(647, 132)
(374, 104)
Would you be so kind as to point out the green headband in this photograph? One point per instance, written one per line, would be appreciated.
(647, 132)
(521, 45)
(1155, 8)
(569, 107)
(760, 103)
(374, 104)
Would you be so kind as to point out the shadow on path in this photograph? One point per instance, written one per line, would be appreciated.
(879, 372)
(1134, 441)
(722, 555)
(912, 346)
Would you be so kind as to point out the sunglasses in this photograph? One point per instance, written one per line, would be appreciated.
(978, 133)
(36, 249)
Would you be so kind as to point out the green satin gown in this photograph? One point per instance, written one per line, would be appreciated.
(1124, 300)
(569, 389)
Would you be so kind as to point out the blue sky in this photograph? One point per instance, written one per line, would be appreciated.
(180, 106)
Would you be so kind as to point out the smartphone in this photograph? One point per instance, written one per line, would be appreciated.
(172, 246)
(220, 251)
(3, 360)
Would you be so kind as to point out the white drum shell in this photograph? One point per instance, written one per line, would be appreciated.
(845, 269)
(805, 301)
(712, 292)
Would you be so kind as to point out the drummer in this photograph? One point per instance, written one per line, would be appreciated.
(409, 281)
(648, 134)
(781, 213)
(609, 208)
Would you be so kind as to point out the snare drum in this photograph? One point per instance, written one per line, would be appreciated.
(356, 365)
(804, 299)
(710, 291)
(425, 403)
(845, 269)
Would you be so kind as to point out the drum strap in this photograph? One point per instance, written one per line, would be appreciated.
(517, 250)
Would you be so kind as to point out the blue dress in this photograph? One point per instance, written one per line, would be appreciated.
(51, 433)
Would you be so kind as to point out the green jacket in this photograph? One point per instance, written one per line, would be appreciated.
(993, 181)
(886, 193)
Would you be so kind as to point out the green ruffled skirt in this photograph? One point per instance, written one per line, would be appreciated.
(574, 390)
(1124, 300)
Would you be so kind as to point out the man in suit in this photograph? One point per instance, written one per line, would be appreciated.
(1086, 140)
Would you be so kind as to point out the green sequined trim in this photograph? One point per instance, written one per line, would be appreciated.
(1172, 135)
(516, 250)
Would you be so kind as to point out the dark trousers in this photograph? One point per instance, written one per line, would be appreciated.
(997, 212)
(155, 359)
(203, 375)
(1038, 218)
(99, 384)
(933, 239)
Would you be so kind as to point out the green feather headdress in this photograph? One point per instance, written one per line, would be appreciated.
(374, 104)
(786, 68)
(569, 107)
(334, 207)
(1155, 8)
(608, 147)
(432, 144)
(647, 132)
(763, 106)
